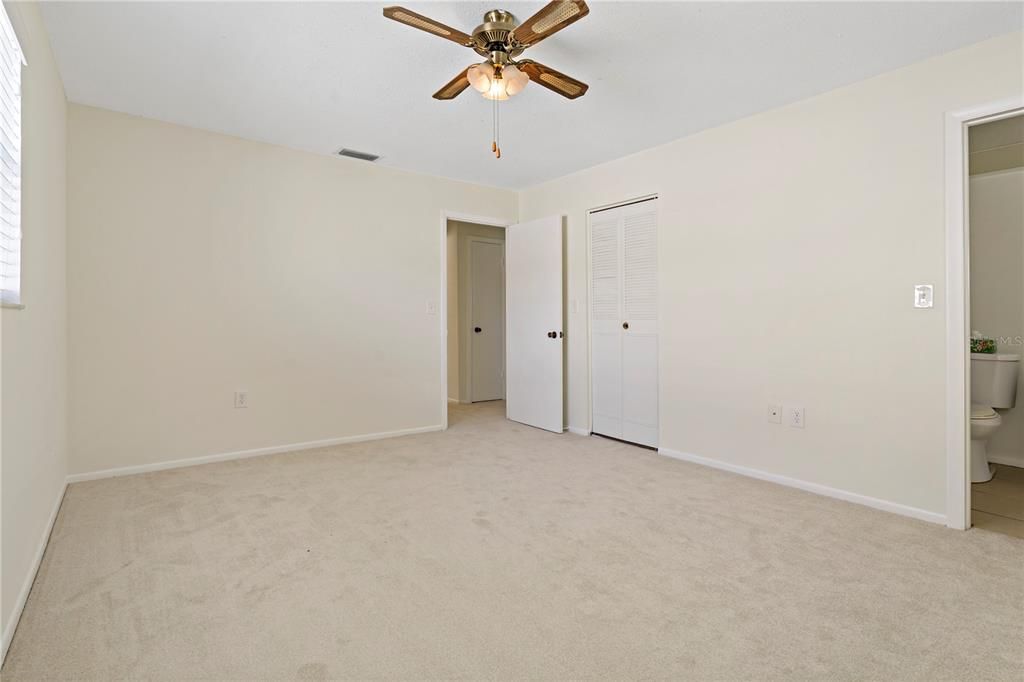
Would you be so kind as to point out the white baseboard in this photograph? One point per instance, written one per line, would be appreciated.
(817, 488)
(12, 623)
(578, 431)
(453, 400)
(244, 454)
(1008, 460)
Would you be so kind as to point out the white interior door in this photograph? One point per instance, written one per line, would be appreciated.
(487, 320)
(533, 263)
(624, 322)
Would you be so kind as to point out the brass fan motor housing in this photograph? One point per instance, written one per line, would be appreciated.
(493, 38)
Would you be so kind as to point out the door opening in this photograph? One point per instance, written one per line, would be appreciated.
(958, 298)
(995, 307)
(475, 255)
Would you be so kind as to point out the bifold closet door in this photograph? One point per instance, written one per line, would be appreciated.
(624, 322)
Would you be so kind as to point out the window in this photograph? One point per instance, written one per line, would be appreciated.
(11, 61)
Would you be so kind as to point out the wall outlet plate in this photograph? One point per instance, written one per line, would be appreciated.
(241, 399)
(796, 417)
(775, 414)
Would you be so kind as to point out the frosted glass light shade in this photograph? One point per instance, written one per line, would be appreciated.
(515, 80)
(480, 77)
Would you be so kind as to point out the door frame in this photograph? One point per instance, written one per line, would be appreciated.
(590, 312)
(958, 309)
(447, 215)
(468, 240)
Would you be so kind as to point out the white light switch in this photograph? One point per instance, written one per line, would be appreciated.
(923, 296)
(431, 308)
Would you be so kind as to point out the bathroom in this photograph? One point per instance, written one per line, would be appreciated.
(996, 199)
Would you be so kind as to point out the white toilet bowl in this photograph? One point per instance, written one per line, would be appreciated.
(984, 422)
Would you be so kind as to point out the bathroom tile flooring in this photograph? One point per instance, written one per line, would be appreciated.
(999, 504)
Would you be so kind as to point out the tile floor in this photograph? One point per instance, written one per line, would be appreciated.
(999, 504)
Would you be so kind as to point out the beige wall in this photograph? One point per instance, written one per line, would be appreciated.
(34, 340)
(201, 264)
(790, 242)
(997, 286)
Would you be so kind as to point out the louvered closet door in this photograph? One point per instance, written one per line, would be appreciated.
(624, 322)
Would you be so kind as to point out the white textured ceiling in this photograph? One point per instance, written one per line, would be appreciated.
(320, 76)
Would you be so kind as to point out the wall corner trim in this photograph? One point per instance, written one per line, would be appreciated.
(37, 559)
(807, 486)
(245, 454)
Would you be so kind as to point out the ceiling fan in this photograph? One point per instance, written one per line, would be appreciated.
(500, 39)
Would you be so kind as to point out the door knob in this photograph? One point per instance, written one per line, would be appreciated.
(552, 335)
(477, 329)
(625, 325)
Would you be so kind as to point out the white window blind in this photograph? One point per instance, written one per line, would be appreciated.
(11, 61)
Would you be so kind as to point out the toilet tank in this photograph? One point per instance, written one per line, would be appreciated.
(994, 379)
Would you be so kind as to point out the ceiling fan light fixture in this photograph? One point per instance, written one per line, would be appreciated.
(500, 40)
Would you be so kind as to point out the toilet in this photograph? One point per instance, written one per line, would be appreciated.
(993, 387)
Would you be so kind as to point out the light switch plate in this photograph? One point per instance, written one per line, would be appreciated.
(431, 308)
(923, 295)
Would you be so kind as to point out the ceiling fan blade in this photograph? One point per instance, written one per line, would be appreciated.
(455, 86)
(553, 17)
(410, 18)
(553, 80)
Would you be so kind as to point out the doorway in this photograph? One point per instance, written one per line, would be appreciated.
(995, 282)
(476, 311)
(959, 324)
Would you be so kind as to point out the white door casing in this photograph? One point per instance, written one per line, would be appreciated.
(533, 264)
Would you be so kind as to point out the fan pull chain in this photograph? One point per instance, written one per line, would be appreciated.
(495, 128)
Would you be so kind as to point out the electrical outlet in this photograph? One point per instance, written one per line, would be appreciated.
(241, 399)
(796, 417)
(775, 414)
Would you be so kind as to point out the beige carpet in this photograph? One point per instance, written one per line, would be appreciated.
(498, 551)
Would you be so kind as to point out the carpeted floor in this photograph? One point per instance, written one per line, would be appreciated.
(494, 550)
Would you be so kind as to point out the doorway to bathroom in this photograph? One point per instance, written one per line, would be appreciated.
(985, 186)
(995, 209)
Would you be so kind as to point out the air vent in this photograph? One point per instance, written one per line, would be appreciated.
(362, 156)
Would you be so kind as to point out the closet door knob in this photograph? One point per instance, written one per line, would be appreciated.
(552, 335)
(477, 329)
(625, 325)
